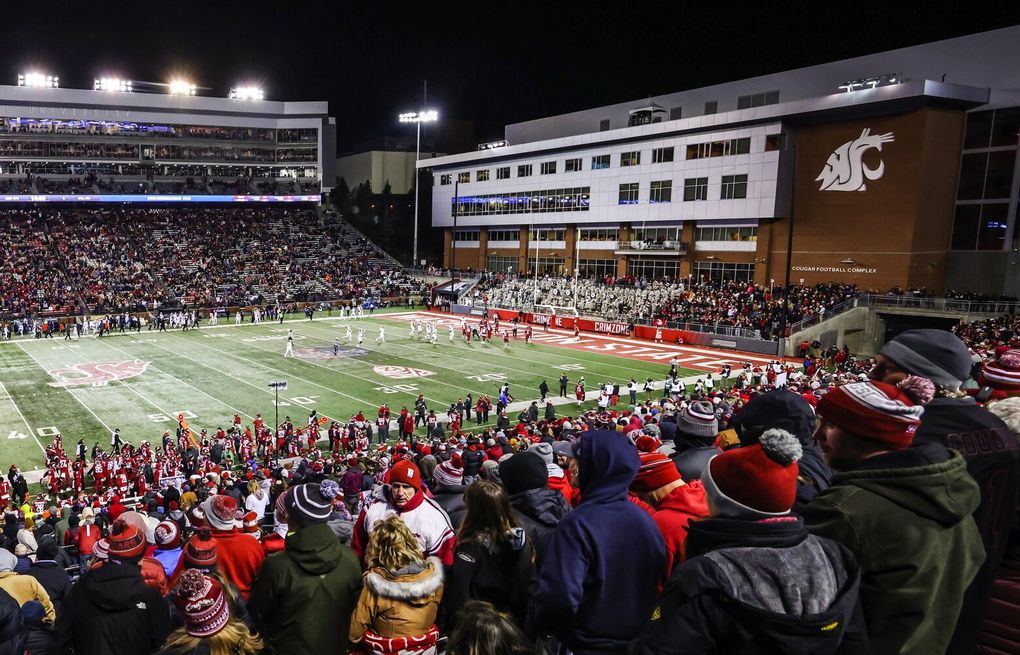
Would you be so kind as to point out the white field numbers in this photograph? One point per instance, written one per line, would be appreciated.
(46, 431)
(488, 377)
(398, 388)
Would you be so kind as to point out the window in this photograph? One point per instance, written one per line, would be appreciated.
(657, 235)
(446, 178)
(676, 113)
(724, 272)
(772, 97)
(999, 178)
(775, 142)
(629, 193)
(972, 176)
(979, 130)
(464, 177)
(1006, 127)
(661, 191)
(465, 235)
(733, 187)
(712, 106)
(549, 234)
(548, 167)
(505, 235)
(596, 267)
(600, 234)
(599, 162)
(482, 175)
(965, 227)
(726, 148)
(501, 264)
(524, 202)
(546, 265)
(503, 173)
(661, 155)
(696, 188)
(604, 125)
(524, 170)
(653, 270)
(632, 158)
(726, 234)
(572, 165)
(757, 100)
(992, 229)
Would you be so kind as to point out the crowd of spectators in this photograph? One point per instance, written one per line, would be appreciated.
(119, 258)
(757, 308)
(770, 509)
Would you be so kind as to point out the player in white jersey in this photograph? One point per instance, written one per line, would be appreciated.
(382, 335)
(411, 329)
(290, 347)
(361, 335)
(348, 335)
(238, 317)
(451, 332)
(336, 346)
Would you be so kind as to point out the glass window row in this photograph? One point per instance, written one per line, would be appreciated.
(523, 202)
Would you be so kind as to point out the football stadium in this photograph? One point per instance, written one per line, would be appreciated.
(728, 367)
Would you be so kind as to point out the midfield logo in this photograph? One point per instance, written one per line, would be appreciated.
(845, 169)
(401, 372)
(96, 374)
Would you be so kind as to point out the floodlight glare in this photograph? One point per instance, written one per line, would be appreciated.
(247, 93)
(424, 116)
(38, 80)
(112, 84)
(182, 88)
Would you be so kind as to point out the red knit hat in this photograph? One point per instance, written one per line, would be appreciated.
(127, 543)
(200, 553)
(250, 523)
(1003, 374)
(220, 511)
(407, 473)
(202, 603)
(757, 480)
(656, 472)
(168, 535)
(873, 410)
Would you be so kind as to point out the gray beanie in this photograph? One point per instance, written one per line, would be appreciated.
(937, 355)
(698, 420)
(543, 450)
(8, 560)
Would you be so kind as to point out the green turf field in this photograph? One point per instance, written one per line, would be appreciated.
(146, 379)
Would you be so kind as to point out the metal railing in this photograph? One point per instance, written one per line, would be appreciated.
(716, 328)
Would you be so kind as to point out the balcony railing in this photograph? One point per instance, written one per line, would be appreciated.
(652, 248)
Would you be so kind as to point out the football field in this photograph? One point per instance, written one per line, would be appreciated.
(140, 382)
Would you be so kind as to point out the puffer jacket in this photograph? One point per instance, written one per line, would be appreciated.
(396, 604)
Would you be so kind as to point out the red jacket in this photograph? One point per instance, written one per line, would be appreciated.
(562, 485)
(238, 557)
(86, 538)
(272, 543)
(672, 515)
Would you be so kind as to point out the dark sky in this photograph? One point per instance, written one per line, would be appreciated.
(492, 62)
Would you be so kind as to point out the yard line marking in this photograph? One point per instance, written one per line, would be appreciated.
(68, 390)
(171, 375)
(18, 410)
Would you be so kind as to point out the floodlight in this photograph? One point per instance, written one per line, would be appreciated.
(423, 116)
(247, 93)
(38, 80)
(182, 88)
(112, 84)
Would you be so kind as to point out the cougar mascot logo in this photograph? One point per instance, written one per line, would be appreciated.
(845, 169)
(96, 374)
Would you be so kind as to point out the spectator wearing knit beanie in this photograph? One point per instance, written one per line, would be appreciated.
(696, 430)
(961, 424)
(904, 510)
(168, 545)
(536, 507)
(210, 624)
(749, 553)
(448, 490)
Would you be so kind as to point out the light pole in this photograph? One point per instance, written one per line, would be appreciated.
(417, 117)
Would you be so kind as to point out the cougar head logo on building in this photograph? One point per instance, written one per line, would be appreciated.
(845, 169)
(96, 374)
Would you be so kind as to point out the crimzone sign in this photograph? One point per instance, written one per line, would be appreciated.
(845, 169)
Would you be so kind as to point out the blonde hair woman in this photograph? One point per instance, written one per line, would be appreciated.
(209, 628)
(397, 608)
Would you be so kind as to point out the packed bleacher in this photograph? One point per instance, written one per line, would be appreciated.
(678, 516)
(120, 258)
(756, 308)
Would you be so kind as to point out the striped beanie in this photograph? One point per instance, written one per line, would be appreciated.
(873, 410)
(127, 543)
(311, 502)
(250, 523)
(168, 535)
(698, 420)
(1003, 374)
(202, 602)
(450, 473)
(200, 552)
(656, 472)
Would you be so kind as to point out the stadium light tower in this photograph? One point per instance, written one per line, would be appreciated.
(112, 84)
(38, 80)
(417, 117)
(182, 88)
(247, 93)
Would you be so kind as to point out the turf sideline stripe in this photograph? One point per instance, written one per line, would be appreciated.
(18, 410)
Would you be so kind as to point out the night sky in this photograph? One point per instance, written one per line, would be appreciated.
(490, 62)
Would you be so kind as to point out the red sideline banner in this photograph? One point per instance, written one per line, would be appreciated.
(669, 336)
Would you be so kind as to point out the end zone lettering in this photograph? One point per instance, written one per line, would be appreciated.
(610, 328)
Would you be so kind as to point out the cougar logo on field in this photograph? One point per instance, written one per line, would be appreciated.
(401, 372)
(845, 169)
(96, 374)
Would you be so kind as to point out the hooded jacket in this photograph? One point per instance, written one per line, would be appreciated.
(12, 628)
(597, 586)
(502, 574)
(539, 512)
(756, 587)
(673, 514)
(303, 597)
(692, 455)
(111, 611)
(906, 516)
(401, 603)
(451, 499)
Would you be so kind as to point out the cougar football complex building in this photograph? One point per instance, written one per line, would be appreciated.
(892, 169)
